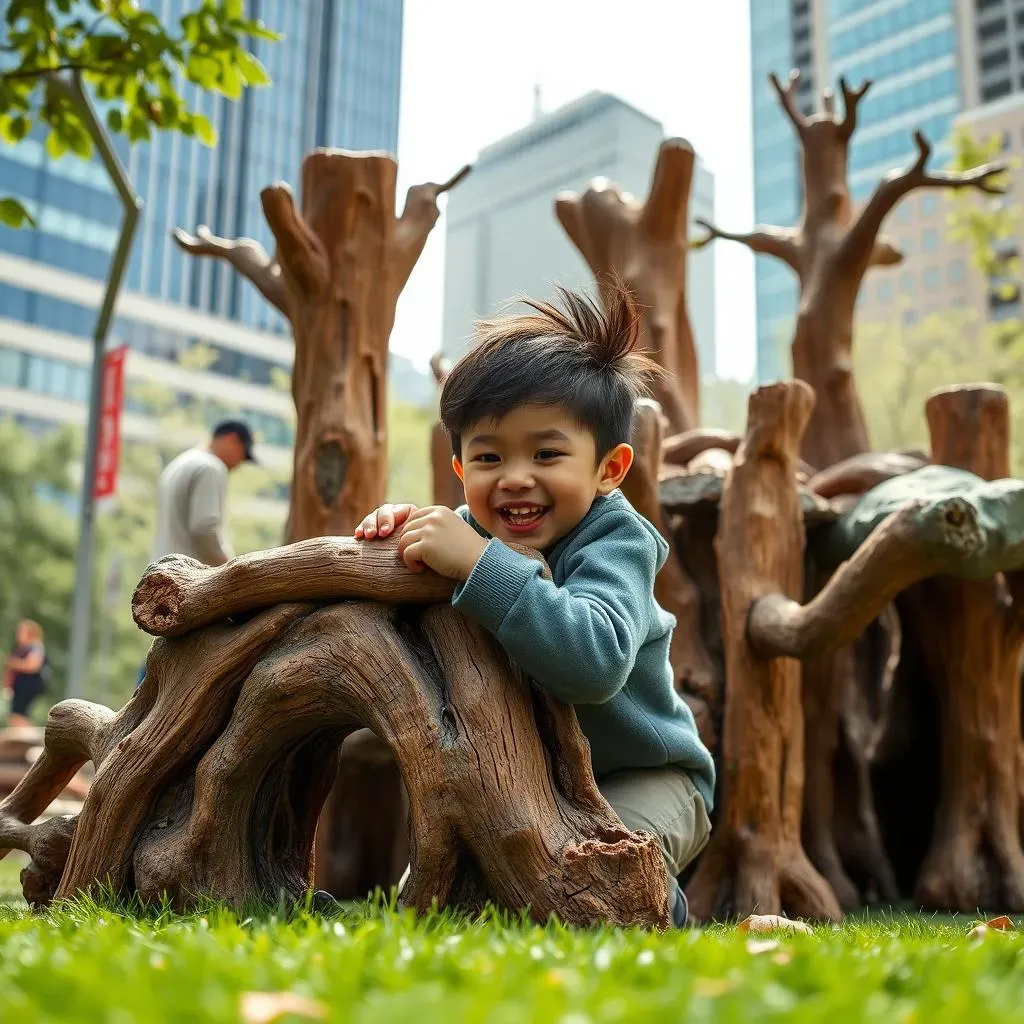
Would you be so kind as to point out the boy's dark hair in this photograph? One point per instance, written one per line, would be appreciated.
(570, 354)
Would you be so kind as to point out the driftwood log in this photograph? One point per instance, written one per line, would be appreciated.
(210, 780)
(830, 251)
(645, 245)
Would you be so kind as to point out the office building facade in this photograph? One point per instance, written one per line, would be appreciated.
(502, 235)
(930, 61)
(336, 82)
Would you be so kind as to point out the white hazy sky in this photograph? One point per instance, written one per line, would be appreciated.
(468, 72)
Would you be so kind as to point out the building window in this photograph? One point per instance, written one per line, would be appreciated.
(995, 91)
(886, 290)
(995, 60)
(929, 240)
(957, 272)
(909, 318)
(907, 283)
(992, 29)
(903, 212)
(929, 204)
(10, 368)
(932, 279)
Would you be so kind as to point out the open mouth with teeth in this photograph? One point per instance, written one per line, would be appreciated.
(522, 518)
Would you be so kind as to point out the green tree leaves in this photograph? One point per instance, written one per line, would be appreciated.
(136, 66)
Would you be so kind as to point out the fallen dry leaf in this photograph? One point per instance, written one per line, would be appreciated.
(773, 923)
(757, 946)
(266, 1007)
(1000, 924)
(711, 988)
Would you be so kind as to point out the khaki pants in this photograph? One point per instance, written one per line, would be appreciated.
(663, 801)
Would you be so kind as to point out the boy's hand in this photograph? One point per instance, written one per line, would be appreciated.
(382, 522)
(437, 538)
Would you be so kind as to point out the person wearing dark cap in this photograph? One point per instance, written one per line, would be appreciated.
(192, 496)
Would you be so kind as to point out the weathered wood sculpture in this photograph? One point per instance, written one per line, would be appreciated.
(645, 245)
(830, 251)
(446, 487)
(336, 275)
(210, 780)
(923, 526)
(755, 861)
(338, 270)
(975, 857)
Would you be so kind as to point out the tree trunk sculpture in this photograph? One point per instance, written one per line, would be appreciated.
(692, 667)
(973, 658)
(830, 251)
(645, 245)
(339, 268)
(755, 862)
(210, 780)
(446, 487)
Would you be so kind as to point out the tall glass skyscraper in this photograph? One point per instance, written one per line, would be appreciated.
(915, 53)
(336, 82)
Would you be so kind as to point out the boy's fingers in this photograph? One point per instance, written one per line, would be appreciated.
(412, 561)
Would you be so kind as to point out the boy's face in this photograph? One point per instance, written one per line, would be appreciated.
(531, 476)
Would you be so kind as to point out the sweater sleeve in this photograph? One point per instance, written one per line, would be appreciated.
(579, 640)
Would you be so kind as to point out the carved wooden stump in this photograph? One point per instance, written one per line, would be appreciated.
(972, 633)
(210, 780)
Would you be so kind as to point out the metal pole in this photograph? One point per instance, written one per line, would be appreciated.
(78, 669)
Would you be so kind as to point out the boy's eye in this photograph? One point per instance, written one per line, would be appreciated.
(486, 457)
(547, 454)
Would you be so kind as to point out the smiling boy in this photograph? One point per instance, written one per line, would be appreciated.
(539, 413)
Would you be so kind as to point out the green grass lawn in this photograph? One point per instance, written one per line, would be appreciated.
(84, 963)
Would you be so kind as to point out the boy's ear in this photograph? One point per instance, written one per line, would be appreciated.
(614, 467)
(457, 466)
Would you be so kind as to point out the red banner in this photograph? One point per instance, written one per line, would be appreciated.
(108, 454)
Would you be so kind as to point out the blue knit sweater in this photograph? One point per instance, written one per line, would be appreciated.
(595, 637)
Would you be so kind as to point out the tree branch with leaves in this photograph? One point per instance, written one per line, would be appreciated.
(133, 64)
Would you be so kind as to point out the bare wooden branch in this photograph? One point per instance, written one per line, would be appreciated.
(246, 255)
(418, 217)
(851, 101)
(894, 186)
(922, 540)
(299, 250)
(177, 594)
(860, 473)
(782, 243)
(787, 97)
(680, 449)
(886, 253)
